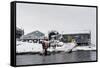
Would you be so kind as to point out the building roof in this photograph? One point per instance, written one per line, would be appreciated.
(19, 29)
(78, 32)
(34, 35)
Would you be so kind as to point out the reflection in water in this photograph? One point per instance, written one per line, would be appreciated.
(83, 56)
(56, 58)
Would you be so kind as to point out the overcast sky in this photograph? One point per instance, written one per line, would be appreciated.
(65, 19)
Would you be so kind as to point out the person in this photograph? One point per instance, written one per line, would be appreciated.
(45, 46)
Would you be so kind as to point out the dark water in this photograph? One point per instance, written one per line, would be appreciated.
(77, 56)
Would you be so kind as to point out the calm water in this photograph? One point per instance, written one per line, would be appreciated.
(77, 56)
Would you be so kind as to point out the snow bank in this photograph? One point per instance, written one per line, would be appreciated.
(28, 47)
(84, 48)
(36, 47)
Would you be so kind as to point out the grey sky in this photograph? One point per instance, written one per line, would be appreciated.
(68, 19)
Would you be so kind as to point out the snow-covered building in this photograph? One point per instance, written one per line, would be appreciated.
(81, 37)
(34, 36)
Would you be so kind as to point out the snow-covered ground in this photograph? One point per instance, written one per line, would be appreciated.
(84, 48)
(36, 47)
(28, 47)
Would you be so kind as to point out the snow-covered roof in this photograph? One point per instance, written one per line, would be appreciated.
(77, 32)
(33, 35)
